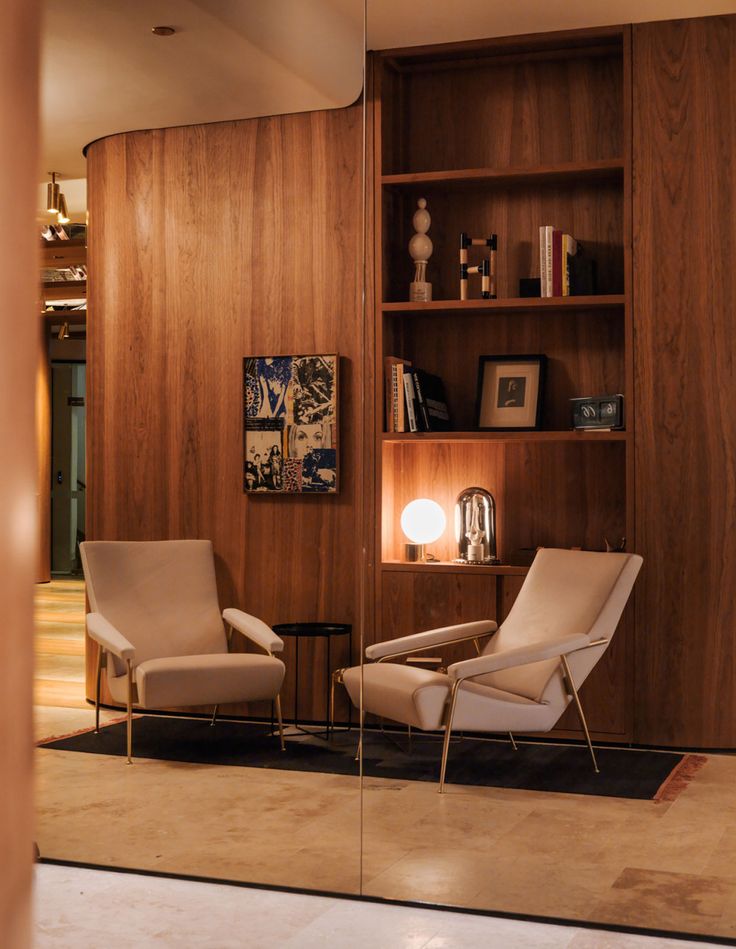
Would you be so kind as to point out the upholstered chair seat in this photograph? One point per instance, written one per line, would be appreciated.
(161, 637)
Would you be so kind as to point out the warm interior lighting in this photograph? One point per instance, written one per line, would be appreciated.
(423, 521)
(52, 194)
(63, 215)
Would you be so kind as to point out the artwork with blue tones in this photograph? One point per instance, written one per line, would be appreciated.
(290, 424)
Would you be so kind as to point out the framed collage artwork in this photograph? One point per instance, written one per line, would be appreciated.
(290, 424)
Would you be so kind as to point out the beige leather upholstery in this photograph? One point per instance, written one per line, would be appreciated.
(569, 599)
(154, 603)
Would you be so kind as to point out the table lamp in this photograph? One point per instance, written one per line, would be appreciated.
(423, 522)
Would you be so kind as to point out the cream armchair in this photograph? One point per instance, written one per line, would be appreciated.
(527, 674)
(157, 622)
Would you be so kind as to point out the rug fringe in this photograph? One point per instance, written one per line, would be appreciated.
(679, 778)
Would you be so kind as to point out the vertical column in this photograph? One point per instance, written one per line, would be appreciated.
(18, 547)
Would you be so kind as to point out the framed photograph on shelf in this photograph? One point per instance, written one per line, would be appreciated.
(290, 429)
(510, 392)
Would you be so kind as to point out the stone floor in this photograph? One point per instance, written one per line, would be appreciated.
(669, 866)
(77, 907)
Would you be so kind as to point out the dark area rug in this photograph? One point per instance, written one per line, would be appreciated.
(641, 775)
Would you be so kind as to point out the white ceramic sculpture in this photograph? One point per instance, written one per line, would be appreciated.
(420, 249)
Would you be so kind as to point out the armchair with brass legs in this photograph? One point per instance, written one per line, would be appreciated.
(156, 620)
(527, 674)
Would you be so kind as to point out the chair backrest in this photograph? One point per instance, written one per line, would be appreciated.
(161, 595)
(566, 592)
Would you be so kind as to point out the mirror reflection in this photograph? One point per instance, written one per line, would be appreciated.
(535, 701)
(373, 530)
(192, 724)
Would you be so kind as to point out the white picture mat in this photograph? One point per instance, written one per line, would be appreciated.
(518, 417)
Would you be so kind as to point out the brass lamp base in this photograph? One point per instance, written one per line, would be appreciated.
(415, 553)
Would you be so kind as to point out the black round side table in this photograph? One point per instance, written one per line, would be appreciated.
(313, 631)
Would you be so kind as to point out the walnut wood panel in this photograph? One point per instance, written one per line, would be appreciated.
(19, 326)
(269, 263)
(518, 112)
(684, 304)
(411, 602)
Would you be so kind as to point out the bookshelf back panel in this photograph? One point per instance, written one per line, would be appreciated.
(518, 111)
(549, 495)
(585, 354)
(591, 211)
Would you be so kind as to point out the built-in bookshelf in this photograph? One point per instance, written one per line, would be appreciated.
(503, 137)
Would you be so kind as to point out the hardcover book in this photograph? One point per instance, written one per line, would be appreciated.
(430, 394)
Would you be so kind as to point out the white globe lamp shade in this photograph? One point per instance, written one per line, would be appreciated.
(423, 521)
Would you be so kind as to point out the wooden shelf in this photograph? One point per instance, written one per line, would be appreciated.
(448, 438)
(64, 290)
(63, 253)
(498, 570)
(72, 317)
(558, 173)
(509, 305)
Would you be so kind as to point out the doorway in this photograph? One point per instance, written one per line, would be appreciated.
(68, 465)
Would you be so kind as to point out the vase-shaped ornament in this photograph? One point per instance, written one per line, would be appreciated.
(420, 249)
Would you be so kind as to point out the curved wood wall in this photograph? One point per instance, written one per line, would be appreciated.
(208, 243)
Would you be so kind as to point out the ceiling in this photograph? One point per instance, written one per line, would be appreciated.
(104, 71)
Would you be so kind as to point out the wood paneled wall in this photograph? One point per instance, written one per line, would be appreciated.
(19, 41)
(206, 244)
(685, 377)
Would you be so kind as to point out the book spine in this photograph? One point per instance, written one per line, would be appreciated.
(411, 415)
(542, 261)
(556, 263)
(548, 230)
(398, 397)
(388, 374)
(423, 414)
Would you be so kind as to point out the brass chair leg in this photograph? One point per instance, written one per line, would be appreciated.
(579, 707)
(513, 743)
(130, 713)
(448, 732)
(332, 700)
(214, 716)
(100, 652)
(359, 752)
(281, 721)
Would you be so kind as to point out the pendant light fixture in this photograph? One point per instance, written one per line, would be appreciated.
(63, 215)
(52, 194)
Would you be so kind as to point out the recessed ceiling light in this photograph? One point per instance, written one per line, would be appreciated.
(163, 30)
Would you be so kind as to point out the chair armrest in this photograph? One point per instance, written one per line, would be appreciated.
(254, 629)
(104, 633)
(508, 658)
(431, 637)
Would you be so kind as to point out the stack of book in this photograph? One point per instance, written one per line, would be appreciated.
(415, 399)
(562, 269)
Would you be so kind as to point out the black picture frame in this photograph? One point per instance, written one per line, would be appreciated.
(524, 380)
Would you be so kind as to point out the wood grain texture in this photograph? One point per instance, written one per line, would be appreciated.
(684, 304)
(19, 327)
(270, 262)
(528, 111)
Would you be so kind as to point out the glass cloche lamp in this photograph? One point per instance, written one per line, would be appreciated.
(475, 527)
(423, 522)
